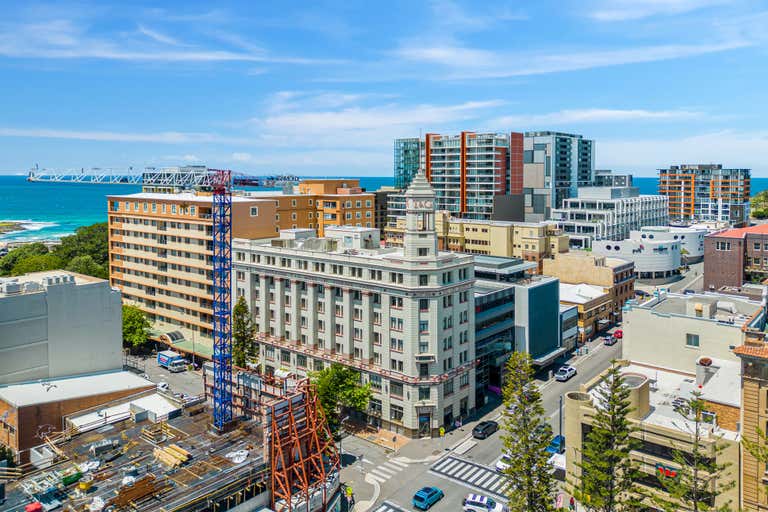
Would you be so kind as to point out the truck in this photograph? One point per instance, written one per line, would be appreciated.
(171, 361)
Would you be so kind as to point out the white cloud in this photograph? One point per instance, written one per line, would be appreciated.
(63, 39)
(622, 10)
(462, 63)
(730, 148)
(107, 136)
(241, 157)
(157, 36)
(591, 115)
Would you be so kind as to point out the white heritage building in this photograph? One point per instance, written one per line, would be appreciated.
(403, 317)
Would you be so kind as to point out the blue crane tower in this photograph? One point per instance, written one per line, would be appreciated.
(222, 294)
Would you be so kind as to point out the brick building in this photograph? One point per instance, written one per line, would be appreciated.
(735, 256)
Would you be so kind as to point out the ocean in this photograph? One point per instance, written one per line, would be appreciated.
(52, 210)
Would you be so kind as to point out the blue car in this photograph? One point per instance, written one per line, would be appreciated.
(557, 445)
(426, 497)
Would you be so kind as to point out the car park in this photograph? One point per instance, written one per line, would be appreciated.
(564, 373)
(426, 497)
(480, 503)
(484, 429)
(557, 445)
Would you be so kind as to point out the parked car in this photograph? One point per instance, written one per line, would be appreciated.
(609, 340)
(480, 503)
(484, 429)
(565, 373)
(557, 445)
(426, 497)
(503, 463)
(163, 386)
(618, 334)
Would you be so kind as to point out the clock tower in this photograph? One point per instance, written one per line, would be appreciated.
(420, 238)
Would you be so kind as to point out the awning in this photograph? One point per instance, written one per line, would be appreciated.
(548, 358)
(603, 321)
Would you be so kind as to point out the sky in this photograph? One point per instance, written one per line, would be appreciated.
(323, 88)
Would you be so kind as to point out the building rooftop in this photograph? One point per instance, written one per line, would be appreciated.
(721, 308)
(186, 197)
(760, 229)
(486, 286)
(68, 388)
(722, 385)
(579, 293)
(36, 282)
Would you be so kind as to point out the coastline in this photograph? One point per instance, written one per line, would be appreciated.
(7, 227)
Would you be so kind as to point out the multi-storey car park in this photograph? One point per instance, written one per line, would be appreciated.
(403, 317)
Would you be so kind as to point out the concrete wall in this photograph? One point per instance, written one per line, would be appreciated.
(65, 329)
(659, 339)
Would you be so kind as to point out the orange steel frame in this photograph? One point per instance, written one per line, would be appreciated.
(302, 451)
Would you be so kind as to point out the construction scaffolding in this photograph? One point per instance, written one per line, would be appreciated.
(304, 462)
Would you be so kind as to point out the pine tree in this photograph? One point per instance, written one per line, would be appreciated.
(527, 435)
(700, 479)
(242, 333)
(607, 472)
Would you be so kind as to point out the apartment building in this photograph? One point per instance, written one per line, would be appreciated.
(595, 308)
(160, 257)
(530, 241)
(555, 165)
(661, 431)
(706, 192)
(467, 170)
(609, 178)
(656, 261)
(380, 202)
(608, 213)
(614, 275)
(735, 256)
(320, 203)
(403, 317)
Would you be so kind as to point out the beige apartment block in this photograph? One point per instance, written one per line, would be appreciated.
(661, 429)
(594, 306)
(615, 275)
(530, 241)
(160, 257)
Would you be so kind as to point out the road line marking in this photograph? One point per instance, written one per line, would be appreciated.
(398, 463)
(496, 485)
(378, 478)
(478, 475)
(486, 477)
(391, 469)
(381, 474)
(446, 464)
(465, 472)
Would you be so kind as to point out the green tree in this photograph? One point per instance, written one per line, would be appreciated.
(86, 265)
(87, 240)
(759, 205)
(37, 263)
(135, 326)
(14, 256)
(339, 388)
(242, 333)
(6, 453)
(700, 479)
(526, 438)
(607, 472)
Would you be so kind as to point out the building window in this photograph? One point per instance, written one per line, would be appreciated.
(396, 413)
(692, 340)
(423, 280)
(423, 393)
(723, 246)
(301, 360)
(254, 211)
(757, 246)
(423, 326)
(464, 380)
(396, 388)
(375, 381)
(423, 251)
(448, 387)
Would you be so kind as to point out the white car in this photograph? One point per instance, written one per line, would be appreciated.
(480, 503)
(503, 463)
(565, 373)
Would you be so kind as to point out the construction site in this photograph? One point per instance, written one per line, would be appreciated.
(144, 449)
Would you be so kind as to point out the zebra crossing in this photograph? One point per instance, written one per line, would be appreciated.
(389, 506)
(383, 472)
(471, 474)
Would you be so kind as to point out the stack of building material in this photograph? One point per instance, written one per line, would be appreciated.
(172, 455)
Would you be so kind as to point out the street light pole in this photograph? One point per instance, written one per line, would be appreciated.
(341, 431)
(561, 415)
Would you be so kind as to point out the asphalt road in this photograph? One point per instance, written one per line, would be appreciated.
(397, 481)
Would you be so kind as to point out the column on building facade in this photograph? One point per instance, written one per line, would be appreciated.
(311, 314)
(295, 308)
(263, 304)
(347, 323)
(367, 327)
(279, 323)
(329, 317)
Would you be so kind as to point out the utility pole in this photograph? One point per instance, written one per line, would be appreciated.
(560, 416)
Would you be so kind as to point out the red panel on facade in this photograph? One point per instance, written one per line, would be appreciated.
(515, 163)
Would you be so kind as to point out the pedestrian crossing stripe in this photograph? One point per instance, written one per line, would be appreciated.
(398, 463)
(386, 471)
(472, 475)
(388, 506)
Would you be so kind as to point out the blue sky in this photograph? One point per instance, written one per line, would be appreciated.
(323, 88)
